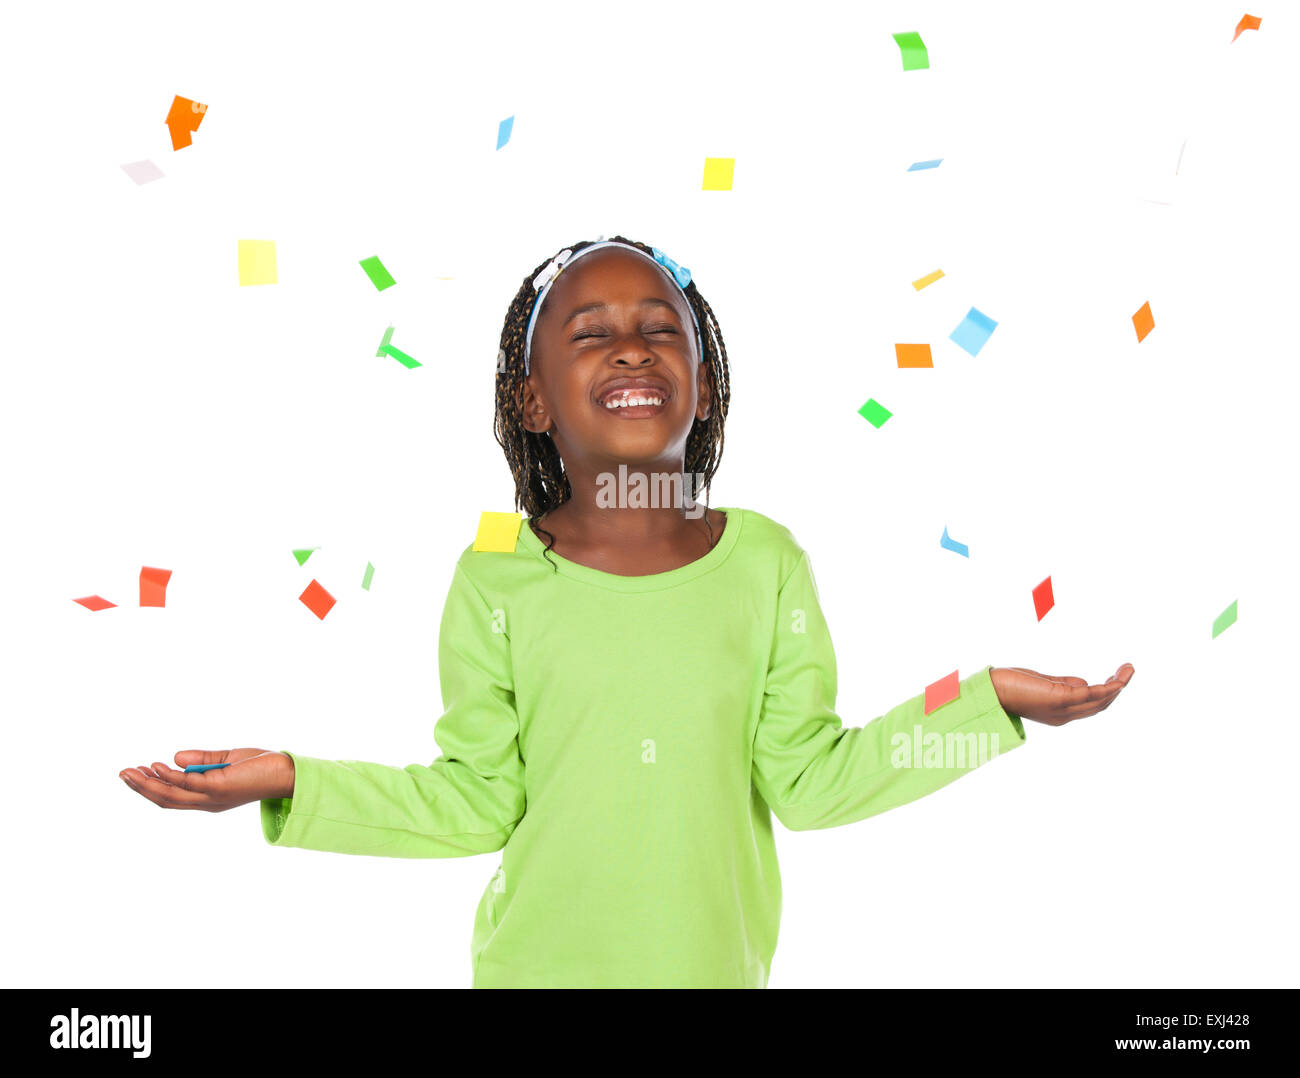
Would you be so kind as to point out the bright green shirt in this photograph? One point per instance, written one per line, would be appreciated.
(624, 742)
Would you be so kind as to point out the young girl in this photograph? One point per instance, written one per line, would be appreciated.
(632, 691)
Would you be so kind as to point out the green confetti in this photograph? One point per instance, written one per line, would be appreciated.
(303, 555)
(401, 357)
(1225, 619)
(874, 413)
(383, 347)
(379, 276)
(370, 572)
(915, 56)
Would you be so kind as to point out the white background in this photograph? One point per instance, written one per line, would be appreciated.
(155, 413)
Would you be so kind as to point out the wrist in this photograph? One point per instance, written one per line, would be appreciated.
(997, 678)
(285, 780)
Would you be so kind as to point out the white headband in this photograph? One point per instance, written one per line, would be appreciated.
(680, 276)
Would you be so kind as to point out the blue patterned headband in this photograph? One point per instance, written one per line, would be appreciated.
(680, 275)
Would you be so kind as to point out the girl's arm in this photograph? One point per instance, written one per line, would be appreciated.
(467, 801)
(814, 772)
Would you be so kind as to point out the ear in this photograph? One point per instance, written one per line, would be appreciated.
(704, 393)
(534, 415)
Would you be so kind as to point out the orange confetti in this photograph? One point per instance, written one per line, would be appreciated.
(1248, 22)
(943, 690)
(1143, 322)
(913, 355)
(153, 586)
(183, 118)
(317, 600)
(94, 602)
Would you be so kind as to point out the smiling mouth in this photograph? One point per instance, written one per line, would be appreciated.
(635, 403)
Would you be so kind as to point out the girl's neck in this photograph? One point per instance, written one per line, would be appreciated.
(631, 542)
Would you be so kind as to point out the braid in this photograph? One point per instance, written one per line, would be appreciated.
(541, 484)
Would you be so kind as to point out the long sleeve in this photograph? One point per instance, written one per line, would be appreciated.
(814, 772)
(467, 801)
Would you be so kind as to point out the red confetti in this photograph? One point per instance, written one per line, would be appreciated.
(1043, 600)
(153, 586)
(943, 690)
(317, 600)
(94, 602)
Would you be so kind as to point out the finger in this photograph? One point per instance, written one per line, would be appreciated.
(199, 756)
(1074, 682)
(161, 793)
(139, 774)
(137, 782)
(1101, 697)
(178, 778)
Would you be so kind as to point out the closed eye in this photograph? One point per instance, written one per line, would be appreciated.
(580, 336)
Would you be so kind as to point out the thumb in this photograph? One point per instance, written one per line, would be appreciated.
(200, 756)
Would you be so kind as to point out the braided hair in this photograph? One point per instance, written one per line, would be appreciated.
(541, 484)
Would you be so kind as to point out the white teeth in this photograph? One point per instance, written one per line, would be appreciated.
(631, 400)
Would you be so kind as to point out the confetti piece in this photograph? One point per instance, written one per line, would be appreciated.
(942, 691)
(386, 349)
(94, 602)
(915, 56)
(401, 357)
(143, 171)
(718, 173)
(973, 332)
(1228, 617)
(198, 769)
(303, 553)
(913, 355)
(153, 586)
(874, 413)
(953, 545)
(183, 118)
(929, 278)
(1043, 599)
(1248, 22)
(257, 262)
(925, 164)
(498, 532)
(370, 573)
(317, 600)
(379, 276)
(504, 130)
(1143, 322)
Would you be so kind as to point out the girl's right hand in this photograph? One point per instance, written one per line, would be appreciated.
(253, 775)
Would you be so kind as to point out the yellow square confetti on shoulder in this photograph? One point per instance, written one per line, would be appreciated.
(498, 532)
(718, 172)
(257, 262)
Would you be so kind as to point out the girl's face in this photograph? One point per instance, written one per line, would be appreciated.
(614, 321)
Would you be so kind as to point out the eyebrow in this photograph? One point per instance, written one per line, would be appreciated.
(649, 301)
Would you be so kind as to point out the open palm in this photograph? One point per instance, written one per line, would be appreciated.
(1055, 700)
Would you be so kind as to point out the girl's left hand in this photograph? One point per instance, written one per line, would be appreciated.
(1054, 700)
